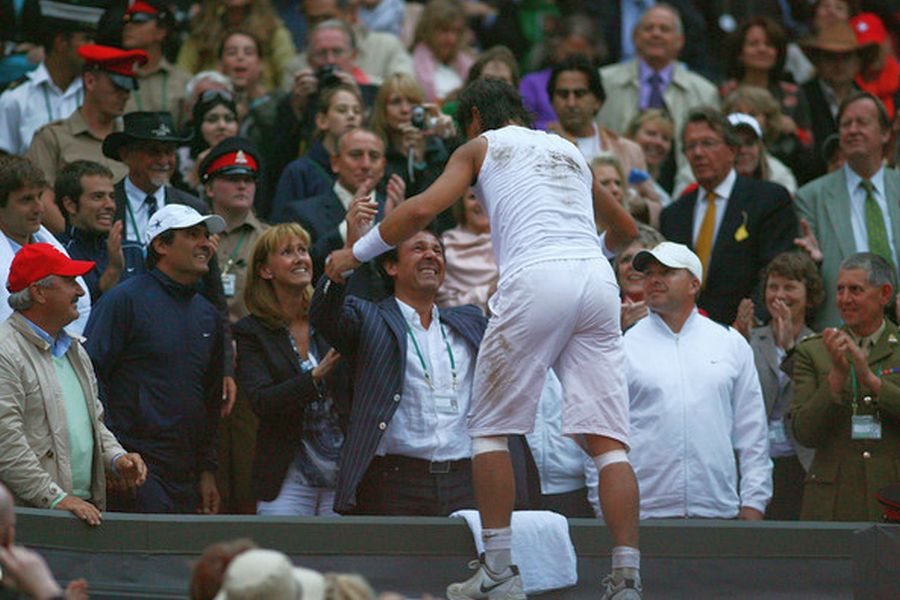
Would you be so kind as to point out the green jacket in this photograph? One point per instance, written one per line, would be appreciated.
(846, 474)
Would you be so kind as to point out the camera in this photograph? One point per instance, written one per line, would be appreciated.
(327, 76)
(421, 119)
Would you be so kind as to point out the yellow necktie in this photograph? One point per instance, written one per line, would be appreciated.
(707, 229)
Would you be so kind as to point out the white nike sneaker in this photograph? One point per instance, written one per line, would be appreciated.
(621, 589)
(482, 586)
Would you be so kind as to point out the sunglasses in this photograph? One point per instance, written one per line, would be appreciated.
(138, 17)
(216, 94)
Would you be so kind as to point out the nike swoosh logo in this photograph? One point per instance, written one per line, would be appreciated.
(206, 335)
(486, 590)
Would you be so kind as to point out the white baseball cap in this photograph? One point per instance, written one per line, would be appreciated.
(262, 574)
(180, 216)
(744, 120)
(672, 255)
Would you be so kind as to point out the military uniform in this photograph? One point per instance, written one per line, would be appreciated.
(234, 253)
(59, 143)
(846, 473)
(33, 101)
(160, 90)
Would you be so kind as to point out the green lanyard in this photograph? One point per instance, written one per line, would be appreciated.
(137, 231)
(854, 386)
(422, 358)
(164, 94)
(49, 107)
(234, 252)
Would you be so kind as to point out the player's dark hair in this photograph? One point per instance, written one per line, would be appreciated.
(498, 104)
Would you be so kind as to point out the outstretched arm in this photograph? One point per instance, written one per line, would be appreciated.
(415, 213)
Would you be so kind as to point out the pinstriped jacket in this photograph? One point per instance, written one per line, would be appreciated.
(371, 337)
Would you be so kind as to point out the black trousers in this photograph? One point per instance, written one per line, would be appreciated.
(403, 486)
(787, 489)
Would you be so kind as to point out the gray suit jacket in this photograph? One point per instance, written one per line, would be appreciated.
(768, 367)
(825, 204)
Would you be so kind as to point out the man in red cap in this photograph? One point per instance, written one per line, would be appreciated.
(55, 450)
(109, 79)
(880, 74)
(145, 26)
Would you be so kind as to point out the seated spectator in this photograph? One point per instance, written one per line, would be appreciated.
(715, 463)
(214, 117)
(793, 289)
(440, 60)
(199, 51)
(209, 570)
(416, 149)
(752, 159)
(84, 193)
(359, 165)
(156, 346)
(340, 110)
(470, 270)
(789, 148)
(755, 57)
(284, 369)
(577, 35)
(846, 397)
(407, 354)
(382, 15)
(577, 95)
(147, 26)
(653, 130)
(880, 73)
(56, 449)
(756, 221)
(630, 280)
(22, 202)
(198, 84)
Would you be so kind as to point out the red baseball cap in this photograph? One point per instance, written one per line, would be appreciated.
(118, 64)
(36, 261)
(869, 29)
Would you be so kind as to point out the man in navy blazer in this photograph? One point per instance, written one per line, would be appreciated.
(750, 221)
(407, 450)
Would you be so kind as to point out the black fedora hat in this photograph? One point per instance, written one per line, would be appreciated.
(142, 126)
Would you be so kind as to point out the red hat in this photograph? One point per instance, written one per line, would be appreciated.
(36, 261)
(142, 7)
(231, 156)
(869, 29)
(118, 64)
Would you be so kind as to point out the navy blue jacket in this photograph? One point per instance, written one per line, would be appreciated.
(84, 245)
(372, 338)
(308, 176)
(157, 349)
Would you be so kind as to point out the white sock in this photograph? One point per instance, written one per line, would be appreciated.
(497, 549)
(626, 562)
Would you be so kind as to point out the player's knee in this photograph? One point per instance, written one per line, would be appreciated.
(610, 458)
(496, 443)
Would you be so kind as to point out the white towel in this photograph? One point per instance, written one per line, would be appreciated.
(541, 547)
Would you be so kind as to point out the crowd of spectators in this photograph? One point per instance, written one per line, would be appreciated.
(175, 174)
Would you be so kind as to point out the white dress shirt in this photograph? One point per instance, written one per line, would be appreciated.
(698, 420)
(32, 104)
(722, 192)
(858, 208)
(419, 427)
(137, 212)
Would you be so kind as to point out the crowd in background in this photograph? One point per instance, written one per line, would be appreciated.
(206, 157)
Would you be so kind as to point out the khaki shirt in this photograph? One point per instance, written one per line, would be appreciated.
(234, 255)
(160, 90)
(61, 142)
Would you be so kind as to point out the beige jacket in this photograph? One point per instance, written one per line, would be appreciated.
(34, 440)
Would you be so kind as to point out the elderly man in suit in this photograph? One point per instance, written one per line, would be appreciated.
(854, 208)
(847, 397)
(407, 450)
(736, 225)
(654, 79)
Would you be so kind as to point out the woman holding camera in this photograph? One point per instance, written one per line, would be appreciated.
(415, 134)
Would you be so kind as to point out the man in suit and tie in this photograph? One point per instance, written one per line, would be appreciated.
(855, 208)
(735, 225)
(359, 165)
(407, 450)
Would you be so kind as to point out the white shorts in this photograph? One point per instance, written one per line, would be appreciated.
(562, 314)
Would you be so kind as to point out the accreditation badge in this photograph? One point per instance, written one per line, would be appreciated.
(445, 402)
(229, 284)
(865, 427)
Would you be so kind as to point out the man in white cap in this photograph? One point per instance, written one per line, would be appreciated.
(156, 345)
(698, 425)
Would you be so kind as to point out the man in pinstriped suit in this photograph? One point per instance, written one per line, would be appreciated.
(407, 450)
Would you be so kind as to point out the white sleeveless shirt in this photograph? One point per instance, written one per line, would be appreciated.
(536, 189)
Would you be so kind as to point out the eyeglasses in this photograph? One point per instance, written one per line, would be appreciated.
(705, 145)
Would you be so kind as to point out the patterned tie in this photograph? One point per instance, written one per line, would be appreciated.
(707, 229)
(152, 206)
(878, 239)
(656, 96)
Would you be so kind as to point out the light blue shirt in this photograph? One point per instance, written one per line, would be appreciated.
(858, 208)
(58, 346)
(138, 211)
